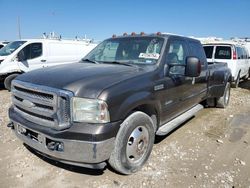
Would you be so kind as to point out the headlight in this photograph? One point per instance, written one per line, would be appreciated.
(90, 110)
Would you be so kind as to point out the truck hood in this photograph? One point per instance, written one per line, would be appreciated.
(83, 79)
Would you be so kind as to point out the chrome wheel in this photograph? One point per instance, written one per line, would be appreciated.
(137, 144)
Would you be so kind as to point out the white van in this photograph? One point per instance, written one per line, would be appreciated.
(3, 43)
(25, 55)
(234, 54)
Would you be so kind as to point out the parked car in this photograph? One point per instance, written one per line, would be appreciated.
(110, 106)
(3, 43)
(25, 55)
(234, 54)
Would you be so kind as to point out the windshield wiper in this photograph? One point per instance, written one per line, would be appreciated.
(118, 63)
(90, 61)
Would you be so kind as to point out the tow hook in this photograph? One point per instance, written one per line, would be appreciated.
(55, 146)
(11, 125)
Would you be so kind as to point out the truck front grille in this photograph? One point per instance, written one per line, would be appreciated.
(42, 105)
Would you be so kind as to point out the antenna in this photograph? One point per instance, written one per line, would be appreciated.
(19, 27)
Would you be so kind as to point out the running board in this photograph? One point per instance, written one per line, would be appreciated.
(171, 125)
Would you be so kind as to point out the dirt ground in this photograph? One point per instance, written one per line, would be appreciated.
(210, 150)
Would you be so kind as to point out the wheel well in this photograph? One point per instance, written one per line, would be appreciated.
(150, 111)
(13, 73)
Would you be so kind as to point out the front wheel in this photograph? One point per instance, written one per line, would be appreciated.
(134, 143)
(223, 101)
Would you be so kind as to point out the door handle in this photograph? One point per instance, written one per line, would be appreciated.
(43, 60)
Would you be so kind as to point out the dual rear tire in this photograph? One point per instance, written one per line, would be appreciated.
(223, 101)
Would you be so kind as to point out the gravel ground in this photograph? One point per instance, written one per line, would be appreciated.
(210, 150)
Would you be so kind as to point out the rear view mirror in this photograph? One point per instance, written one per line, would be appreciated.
(193, 67)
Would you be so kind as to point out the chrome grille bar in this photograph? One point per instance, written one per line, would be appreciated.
(42, 105)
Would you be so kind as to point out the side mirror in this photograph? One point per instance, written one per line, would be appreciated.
(21, 56)
(193, 67)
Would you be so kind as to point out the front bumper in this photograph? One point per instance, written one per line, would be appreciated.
(82, 150)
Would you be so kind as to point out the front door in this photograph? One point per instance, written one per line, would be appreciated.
(33, 57)
(178, 91)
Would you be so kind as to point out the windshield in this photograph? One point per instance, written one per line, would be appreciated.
(10, 48)
(134, 50)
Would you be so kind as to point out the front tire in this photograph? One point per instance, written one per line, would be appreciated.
(134, 143)
(8, 80)
(223, 101)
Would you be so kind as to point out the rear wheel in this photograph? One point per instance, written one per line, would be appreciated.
(134, 143)
(223, 101)
(8, 80)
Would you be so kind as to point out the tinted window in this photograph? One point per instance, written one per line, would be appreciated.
(33, 50)
(197, 51)
(208, 51)
(223, 52)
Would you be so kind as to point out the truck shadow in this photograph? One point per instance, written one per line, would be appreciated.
(245, 84)
(159, 139)
(2, 86)
(72, 168)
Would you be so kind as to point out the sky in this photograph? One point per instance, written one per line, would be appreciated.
(100, 19)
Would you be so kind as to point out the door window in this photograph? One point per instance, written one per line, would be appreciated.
(196, 50)
(32, 51)
(176, 55)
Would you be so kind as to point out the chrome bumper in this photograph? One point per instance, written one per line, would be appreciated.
(75, 152)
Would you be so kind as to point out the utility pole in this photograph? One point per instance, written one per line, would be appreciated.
(19, 27)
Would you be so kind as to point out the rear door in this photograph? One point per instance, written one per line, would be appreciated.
(224, 53)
